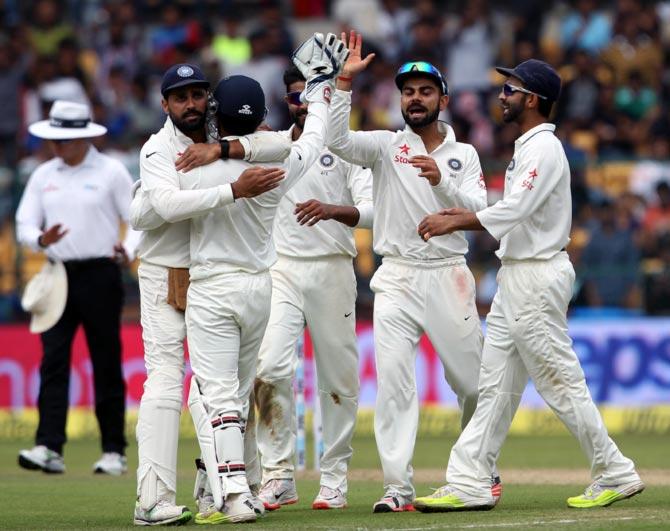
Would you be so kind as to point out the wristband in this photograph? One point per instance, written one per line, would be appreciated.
(344, 78)
(225, 149)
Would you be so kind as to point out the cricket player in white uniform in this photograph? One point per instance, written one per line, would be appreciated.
(314, 285)
(165, 245)
(527, 330)
(418, 288)
(229, 294)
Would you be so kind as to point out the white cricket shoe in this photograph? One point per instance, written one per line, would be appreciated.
(328, 498)
(111, 463)
(258, 504)
(277, 492)
(238, 508)
(392, 502)
(163, 513)
(41, 458)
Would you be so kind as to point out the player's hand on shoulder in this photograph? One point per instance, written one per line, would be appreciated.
(197, 155)
(257, 180)
(312, 211)
(427, 168)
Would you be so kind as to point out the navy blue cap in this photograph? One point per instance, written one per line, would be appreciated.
(241, 104)
(181, 75)
(537, 76)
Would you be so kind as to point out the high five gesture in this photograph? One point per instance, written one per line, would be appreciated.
(355, 64)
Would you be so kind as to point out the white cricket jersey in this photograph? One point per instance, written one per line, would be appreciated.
(168, 244)
(331, 180)
(238, 237)
(89, 200)
(533, 219)
(402, 198)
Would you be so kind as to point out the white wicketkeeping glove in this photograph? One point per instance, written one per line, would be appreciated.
(320, 61)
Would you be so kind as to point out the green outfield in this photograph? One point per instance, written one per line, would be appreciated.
(538, 474)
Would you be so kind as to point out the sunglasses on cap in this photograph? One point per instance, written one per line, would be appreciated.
(294, 97)
(415, 67)
(509, 90)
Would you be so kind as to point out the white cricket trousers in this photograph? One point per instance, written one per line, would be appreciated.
(157, 432)
(413, 297)
(226, 316)
(527, 335)
(319, 293)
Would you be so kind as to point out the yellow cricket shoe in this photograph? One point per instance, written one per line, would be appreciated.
(448, 498)
(598, 495)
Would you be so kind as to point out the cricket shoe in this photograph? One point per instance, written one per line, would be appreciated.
(328, 498)
(111, 463)
(259, 506)
(448, 498)
(392, 502)
(163, 513)
(278, 492)
(41, 458)
(496, 489)
(599, 495)
(236, 509)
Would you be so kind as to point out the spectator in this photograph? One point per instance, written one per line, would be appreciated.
(47, 30)
(610, 263)
(585, 28)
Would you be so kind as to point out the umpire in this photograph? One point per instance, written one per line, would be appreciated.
(71, 209)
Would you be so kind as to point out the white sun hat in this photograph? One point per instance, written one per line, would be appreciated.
(67, 120)
(45, 296)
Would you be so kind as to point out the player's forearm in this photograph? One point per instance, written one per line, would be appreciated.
(349, 215)
(178, 205)
(451, 196)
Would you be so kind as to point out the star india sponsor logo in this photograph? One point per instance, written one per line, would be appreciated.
(399, 157)
(184, 71)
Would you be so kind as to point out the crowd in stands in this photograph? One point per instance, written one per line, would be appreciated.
(613, 117)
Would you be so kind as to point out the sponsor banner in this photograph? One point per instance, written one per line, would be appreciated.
(434, 420)
(626, 363)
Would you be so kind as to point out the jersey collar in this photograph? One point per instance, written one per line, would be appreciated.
(532, 132)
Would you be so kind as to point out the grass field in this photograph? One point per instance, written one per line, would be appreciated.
(538, 474)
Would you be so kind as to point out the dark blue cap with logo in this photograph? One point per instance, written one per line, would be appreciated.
(537, 76)
(181, 75)
(241, 104)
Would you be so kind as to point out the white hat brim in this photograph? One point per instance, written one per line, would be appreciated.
(56, 298)
(44, 129)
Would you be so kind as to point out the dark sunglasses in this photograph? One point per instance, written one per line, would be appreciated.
(294, 98)
(509, 90)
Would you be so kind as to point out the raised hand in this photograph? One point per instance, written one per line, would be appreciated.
(428, 167)
(255, 181)
(355, 64)
(52, 235)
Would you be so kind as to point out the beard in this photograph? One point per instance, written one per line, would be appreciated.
(189, 126)
(512, 113)
(298, 118)
(427, 119)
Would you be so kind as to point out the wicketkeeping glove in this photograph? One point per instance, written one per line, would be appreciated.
(320, 61)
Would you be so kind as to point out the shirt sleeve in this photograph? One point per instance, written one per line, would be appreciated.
(160, 180)
(30, 215)
(358, 147)
(359, 181)
(470, 193)
(142, 216)
(306, 149)
(536, 176)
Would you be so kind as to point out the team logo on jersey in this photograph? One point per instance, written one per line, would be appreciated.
(184, 71)
(326, 161)
(511, 165)
(246, 109)
(455, 164)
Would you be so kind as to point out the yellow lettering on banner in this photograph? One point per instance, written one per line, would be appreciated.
(434, 420)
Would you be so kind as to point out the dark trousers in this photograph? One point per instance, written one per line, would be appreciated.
(94, 300)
